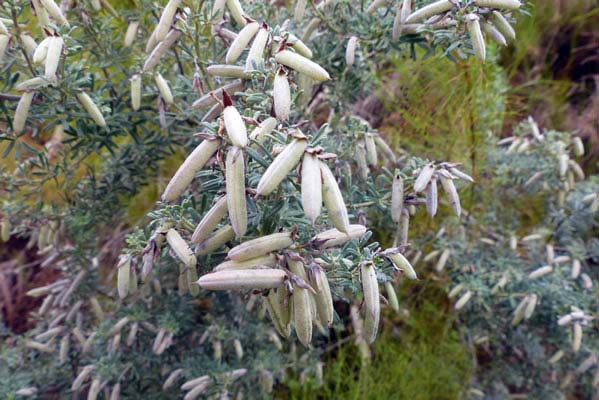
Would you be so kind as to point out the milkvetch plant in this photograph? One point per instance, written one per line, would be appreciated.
(266, 206)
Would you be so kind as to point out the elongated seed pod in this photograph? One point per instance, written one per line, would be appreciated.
(136, 92)
(180, 247)
(299, 46)
(54, 11)
(234, 124)
(42, 15)
(260, 246)
(115, 393)
(29, 44)
(323, 298)
(241, 42)
(334, 237)
(236, 11)
(476, 36)
(238, 349)
(281, 94)
(302, 64)
(210, 220)
(404, 227)
(196, 382)
(371, 152)
(452, 195)
(268, 260)
(494, 34)
(218, 8)
(311, 187)
(243, 279)
(333, 199)
(3, 30)
(4, 39)
(463, 300)
(372, 304)
(278, 305)
(502, 4)
(227, 71)
(397, 197)
(300, 9)
(578, 146)
(432, 197)
(576, 337)
(41, 347)
(539, 272)
(406, 9)
(350, 51)
(576, 267)
(392, 296)
(164, 89)
(31, 84)
(503, 26)
(302, 314)
(424, 177)
(530, 306)
(41, 51)
(91, 108)
(284, 163)
(360, 155)
(235, 184)
(53, 57)
(210, 99)
(123, 276)
(187, 171)
(94, 389)
(131, 33)
(216, 240)
(20, 117)
(255, 57)
(460, 175)
(82, 377)
(196, 391)
(442, 260)
(435, 8)
(64, 349)
(375, 5)
(166, 19)
(265, 128)
(152, 42)
(455, 291)
(162, 47)
(520, 311)
(172, 378)
(403, 264)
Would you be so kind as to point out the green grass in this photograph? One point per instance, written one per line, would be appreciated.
(419, 356)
